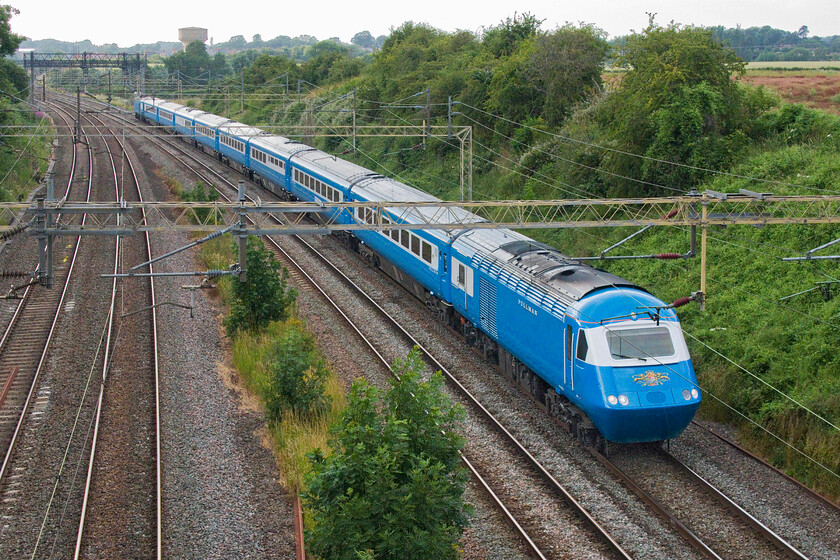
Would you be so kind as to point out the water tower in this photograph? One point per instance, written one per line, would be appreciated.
(189, 34)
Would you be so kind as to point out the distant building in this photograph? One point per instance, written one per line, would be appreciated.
(189, 34)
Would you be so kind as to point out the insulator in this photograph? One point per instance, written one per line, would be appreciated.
(671, 214)
(682, 301)
(14, 231)
(14, 274)
(216, 273)
(668, 256)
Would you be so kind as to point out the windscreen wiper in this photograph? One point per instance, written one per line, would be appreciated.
(630, 357)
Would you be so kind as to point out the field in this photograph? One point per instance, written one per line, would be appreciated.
(819, 90)
(794, 65)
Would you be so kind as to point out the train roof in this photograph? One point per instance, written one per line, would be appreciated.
(521, 256)
(211, 120)
(240, 130)
(278, 145)
(170, 106)
(188, 112)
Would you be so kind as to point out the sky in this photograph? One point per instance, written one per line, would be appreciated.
(158, 20)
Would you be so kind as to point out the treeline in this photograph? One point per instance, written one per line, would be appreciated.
(24, 145)
(767, 44)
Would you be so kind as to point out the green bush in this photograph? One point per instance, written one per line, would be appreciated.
(265, 297)
(296, 376)
(393, 487)
(199, 193)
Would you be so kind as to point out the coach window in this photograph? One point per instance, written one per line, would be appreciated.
(582, 345)
(395, 235)
(406, 238)
(427, 252)
(415, 245)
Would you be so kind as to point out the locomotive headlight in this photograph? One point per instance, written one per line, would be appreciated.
(623, 400)
(695, 393)
(687, 394)
(612, 400)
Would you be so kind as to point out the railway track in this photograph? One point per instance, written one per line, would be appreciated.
(39, 481)
(711, 521)
(201, 509)
(26, 340)
(613, 547)
(121, 508)
(778, 549)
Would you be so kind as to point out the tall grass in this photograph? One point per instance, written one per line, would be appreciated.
(296, 434)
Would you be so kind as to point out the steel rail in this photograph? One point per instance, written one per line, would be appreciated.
(156, 359)
(810, 491)
(42, 360)
(508, 515)
(777, 541)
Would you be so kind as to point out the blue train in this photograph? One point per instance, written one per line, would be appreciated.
(601, 354)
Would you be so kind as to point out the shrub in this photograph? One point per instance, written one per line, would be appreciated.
(264, 297)
(392, 488)
(296, 376)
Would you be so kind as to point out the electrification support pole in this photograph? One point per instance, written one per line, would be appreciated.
(703, 251)
(49, 240)
(462, 139)
(470, 162)
(242, 97)
(44, 87)
(32, 77)
(78, 115)
(354, 119)
(428, 115)
(449, 117)
(109, 86)
(243, 234)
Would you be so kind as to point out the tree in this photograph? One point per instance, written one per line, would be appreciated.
(364, 39)
(676, 102)
(9, 42)
(193, 61)
(548, 74)
(504, 39)
(566, 67)
(265, 297)
(392, 487)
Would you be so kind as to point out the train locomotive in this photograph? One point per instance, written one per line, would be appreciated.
(598, 352)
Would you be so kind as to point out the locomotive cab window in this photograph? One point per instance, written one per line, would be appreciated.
(644, 343)
(582, 345)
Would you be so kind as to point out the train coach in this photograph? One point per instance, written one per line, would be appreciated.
(598, 352)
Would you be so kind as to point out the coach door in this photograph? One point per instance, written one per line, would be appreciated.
(462, 283)
(568, 355)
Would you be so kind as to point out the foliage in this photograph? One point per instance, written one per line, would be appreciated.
(676, 102)
(194, 61)
(296, 376)
(392, 487)
(9, 41)
(504, 39)
(264, 297)
(199, 193)
(22, 158)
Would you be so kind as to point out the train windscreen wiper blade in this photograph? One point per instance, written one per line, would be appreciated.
(622, 356)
